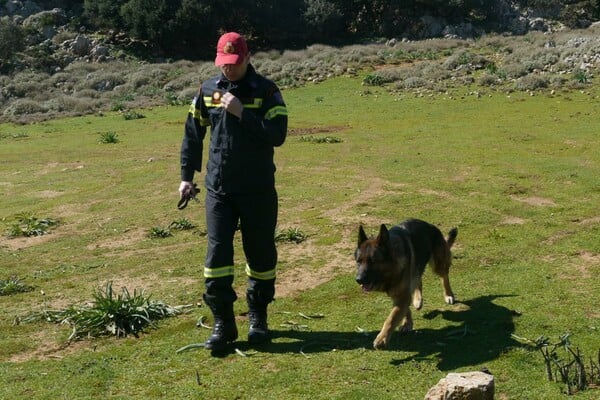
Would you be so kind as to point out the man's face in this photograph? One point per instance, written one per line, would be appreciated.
(235, 72)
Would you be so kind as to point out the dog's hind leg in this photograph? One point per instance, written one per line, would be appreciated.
(417, 299)
(441, 261)
(448, 295)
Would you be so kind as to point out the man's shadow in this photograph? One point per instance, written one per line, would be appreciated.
(483, 333)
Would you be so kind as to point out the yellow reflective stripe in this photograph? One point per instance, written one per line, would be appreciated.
(208, 100)
(256, 103)
(194, 111)
(261, 275)
(218, 272)
(197, 116)
(275, 112)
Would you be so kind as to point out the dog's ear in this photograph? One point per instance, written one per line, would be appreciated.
(362, 236)
(384, 236)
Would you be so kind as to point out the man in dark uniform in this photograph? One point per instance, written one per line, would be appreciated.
(248, 118)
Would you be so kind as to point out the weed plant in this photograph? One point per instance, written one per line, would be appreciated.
(28, 225)
(13, 285)
(293, 234)
(110, 314)
(158, 232)
(110, 137)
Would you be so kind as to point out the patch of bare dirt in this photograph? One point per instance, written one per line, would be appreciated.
(47, 348)
(535, 201)
(590, 221)
(510, 220)
(126, 239)
(47, 194)
(299, 279)
(51, 167)
(19, 243)
(583, 267)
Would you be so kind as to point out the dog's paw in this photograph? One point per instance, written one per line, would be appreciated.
(380, 342)
(449, 299)
(407, 327)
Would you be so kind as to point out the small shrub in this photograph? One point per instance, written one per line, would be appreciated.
(172, 99)
(581, 76)
(570, 371)
(13, 285)
(17, 135)
(373, 80)
(130, 115)
(158, 232)
(531, 82)
(110, 314)
(515, 70)
(24, 107)
(414, 82)
(28, 225)
(487, 79)
(117, 106)
(294, 235)
(109, 137)
(182, 224)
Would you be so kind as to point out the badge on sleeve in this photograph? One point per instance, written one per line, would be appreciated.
(216, 97)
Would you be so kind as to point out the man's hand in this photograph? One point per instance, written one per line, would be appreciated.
(232, 104)
(185, 188)
(187, 191)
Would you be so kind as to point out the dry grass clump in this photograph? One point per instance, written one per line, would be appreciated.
(71, 105)
(532, 82)
(533, 59)
(23, 107)
(488, 79)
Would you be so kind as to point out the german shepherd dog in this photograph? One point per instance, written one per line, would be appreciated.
(394, 263)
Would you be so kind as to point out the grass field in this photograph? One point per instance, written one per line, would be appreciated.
(517, 174)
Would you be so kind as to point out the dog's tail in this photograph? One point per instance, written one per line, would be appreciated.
(452, 236)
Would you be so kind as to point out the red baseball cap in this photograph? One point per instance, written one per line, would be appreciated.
(231, 49)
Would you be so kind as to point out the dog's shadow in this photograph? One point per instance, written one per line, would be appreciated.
(483, 333)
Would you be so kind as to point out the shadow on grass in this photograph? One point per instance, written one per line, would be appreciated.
(483, 333)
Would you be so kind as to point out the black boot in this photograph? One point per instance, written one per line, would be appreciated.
(257, 318)
(224, 329)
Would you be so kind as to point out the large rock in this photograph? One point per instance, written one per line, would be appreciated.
(463, 386)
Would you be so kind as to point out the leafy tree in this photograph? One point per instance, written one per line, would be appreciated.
(324, 19)
(12, 40)
(104, 13)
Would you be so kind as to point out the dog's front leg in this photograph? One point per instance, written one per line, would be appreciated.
(392, 321)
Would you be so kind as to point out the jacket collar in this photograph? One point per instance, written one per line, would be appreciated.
(248, 79)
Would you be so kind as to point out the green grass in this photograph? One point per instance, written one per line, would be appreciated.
(517, 174)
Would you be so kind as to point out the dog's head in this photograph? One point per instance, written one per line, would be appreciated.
(373, 258)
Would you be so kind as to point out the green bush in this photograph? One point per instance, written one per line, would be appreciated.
(12, 40)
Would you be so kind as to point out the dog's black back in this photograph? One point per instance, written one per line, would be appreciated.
(423, 236)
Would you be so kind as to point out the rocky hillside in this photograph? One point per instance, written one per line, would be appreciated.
(68, 70)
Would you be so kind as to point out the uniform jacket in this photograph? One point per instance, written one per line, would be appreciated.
(240, 155)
